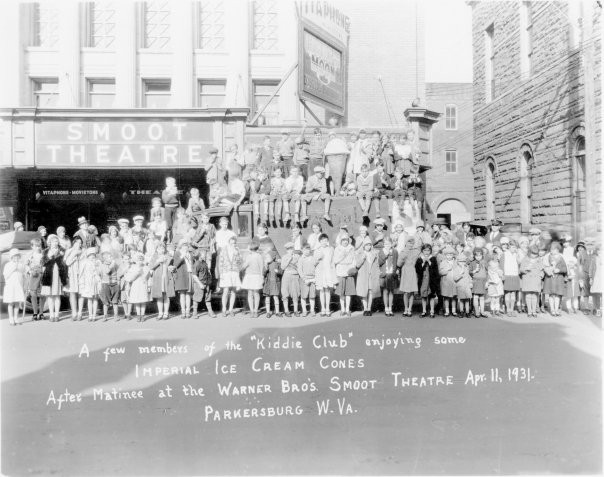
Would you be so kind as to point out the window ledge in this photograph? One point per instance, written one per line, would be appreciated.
(41, 49)
(266, 53)
(208, 51)
(94, 49)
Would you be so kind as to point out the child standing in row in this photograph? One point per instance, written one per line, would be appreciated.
(202, 283)
(306, 269)
(253, 280)
(532, 272)
(478, 272)
(495, 286)
(14, 278)
(272, 283)
(290, 283)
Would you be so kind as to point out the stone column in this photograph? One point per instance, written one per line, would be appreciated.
(126, 71)
(69, 54)
(183, 84)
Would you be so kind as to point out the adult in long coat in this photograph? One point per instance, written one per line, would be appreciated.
(162, 281)
(428, 278)
(55, 276)
(368, 276)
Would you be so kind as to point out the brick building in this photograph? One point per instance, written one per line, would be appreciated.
(169, 79)
(450, 182)
(537, 121)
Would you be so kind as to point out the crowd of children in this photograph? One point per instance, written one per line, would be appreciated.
(455, 273)
(181, 254)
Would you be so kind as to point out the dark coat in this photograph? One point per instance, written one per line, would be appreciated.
(434, 275)
(182, 278)
(158, 269)
(48, 265)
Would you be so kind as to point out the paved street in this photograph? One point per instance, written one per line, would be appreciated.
(543, 418)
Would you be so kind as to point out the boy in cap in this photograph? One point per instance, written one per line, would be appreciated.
(365, 191)
(317, 189)
(290, 282)
(171, 200)
(306, 269)
(301, 156)
(110, 287)
(215, 173)
(294, 185)
(266, 153)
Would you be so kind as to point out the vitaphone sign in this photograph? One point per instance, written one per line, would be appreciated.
(123, 144)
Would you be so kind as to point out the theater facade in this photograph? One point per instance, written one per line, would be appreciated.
(58, 165)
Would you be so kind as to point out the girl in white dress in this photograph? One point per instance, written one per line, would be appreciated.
(14, 279)
(325, 273)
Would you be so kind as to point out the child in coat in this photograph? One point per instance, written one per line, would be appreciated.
(495, 285)
(531, 273)
(137, 279)
(463, 283)
(182, 265)
(325, 273)
(344, 262)
(478, 272)
(202, 284)
(368, 283)
(306, 269)
(388, 261)
(253, 268)
(33, 268)
(272, 283)
(195, 206)
(448, 270)
(406, 260)
(554, 284)
(14, 279)
(290, 283)
(89, 283)
(110, 287)
(230, 268)
(162, 283)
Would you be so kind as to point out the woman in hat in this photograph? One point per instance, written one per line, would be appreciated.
(532, 272)
(448, 270)
(407, 260)
(14, 279)
(253, 278)
(272, 282)
(428, 279)
(368, 283)
(89, 283)
(182, 266)
(64, 241)
(73, 259)
(388, 259)
(54, 276)
(230, 267)
(325, 274)
(554, 284)
(33, 268)
(344, 261)
(137, 278)
(162, 281)
(583, 276)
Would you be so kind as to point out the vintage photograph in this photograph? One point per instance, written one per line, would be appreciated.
(300, 237)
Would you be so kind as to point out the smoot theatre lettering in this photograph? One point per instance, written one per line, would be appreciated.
(123, 144)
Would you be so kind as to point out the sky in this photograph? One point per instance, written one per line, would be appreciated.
(448, 27)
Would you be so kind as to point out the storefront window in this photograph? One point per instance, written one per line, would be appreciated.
(156, 93)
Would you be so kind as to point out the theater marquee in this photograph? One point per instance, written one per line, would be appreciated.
(122, 144)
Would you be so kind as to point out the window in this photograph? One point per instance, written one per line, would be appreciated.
(45, 92)
(156, 93)
(451, 162)
(489, 54)
(212, 93)
(101, 24)
(490, 188)
(157, 25)
(101, 93)
(211, 24)
(526, 184)
(526, 40)
(450, 116)
(45, 25)
(265, 25)
(262, 92)
(580, 163)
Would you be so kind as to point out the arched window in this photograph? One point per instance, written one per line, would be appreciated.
(490, 171)
(526, 183)
(579, 178)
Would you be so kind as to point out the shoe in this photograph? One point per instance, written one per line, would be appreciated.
(196, 316)
(423, 315)
(369, 313)
(269, 314)
(431, 315)
(105, 319)
(279, 315)
(327, 217)
(297, 314)
(211, 314)
(446, 315)
(288, 314)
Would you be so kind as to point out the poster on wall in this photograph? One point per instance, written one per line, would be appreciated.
(323, 64)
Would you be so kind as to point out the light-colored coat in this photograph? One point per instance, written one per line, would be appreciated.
(368, 277)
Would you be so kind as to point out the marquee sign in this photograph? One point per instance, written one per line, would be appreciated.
(322, 69)
(145, 144)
